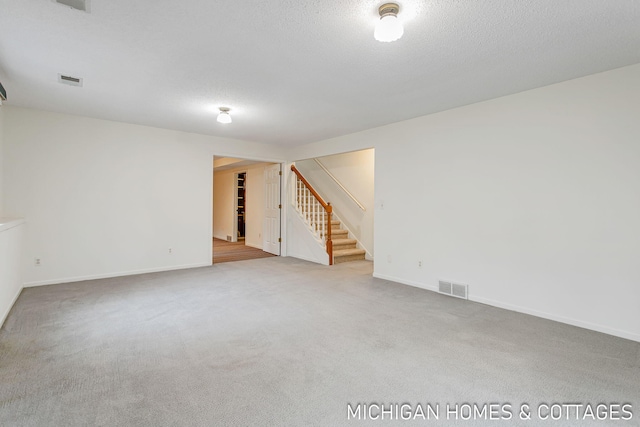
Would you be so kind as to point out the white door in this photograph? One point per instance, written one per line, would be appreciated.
(271, 231)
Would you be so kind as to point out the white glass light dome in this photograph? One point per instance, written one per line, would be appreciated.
(224, 116)
(388, 29)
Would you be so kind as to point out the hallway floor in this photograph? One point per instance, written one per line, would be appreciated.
(224, 251)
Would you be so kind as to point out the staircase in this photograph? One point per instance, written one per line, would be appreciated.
(344, 248)
(317, 213)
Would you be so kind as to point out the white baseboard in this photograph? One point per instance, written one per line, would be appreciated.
(406, 282)
(304, 258)
(110, 275)
(8, 310)
(544, 315)
(568, 320)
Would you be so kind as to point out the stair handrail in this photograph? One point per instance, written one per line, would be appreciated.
(327, 208)
(351, 196)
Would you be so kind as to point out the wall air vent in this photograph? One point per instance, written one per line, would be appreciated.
(444, 287)
(68, 80)
(82, 5)
(453, 289)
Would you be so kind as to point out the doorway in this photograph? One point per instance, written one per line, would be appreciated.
(246, 208)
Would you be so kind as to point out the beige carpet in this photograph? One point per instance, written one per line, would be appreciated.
(224, 251)
(284, 342)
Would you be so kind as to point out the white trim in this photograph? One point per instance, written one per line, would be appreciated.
(304, 258)
(110, 275)
(287, 207)
(544, 315)
(569, 321)
(406, 282)
(283, 180)
(6, 313)
(247, 157)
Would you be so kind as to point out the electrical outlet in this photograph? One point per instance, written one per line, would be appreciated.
(170, 251)
(419, 263)
(37, 262)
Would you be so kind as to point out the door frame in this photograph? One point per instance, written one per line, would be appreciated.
(284, 180)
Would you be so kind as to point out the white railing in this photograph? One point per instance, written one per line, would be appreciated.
(311, 210)
(314, 210)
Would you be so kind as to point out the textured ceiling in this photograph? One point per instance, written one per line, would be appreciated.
(299, 71)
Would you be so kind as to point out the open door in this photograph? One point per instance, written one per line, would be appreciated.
(271, 235)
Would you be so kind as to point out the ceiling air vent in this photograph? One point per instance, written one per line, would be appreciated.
(68, 80)
(82, 5)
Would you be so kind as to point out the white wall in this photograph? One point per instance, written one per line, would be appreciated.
(530, 199)
(1, 157)
(103, 198)
(355, 171)
(302, 243)
(224, 203)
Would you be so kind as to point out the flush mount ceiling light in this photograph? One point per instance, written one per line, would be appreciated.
(224, 116)
(389, 28)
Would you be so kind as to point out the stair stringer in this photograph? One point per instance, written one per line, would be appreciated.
(351, 235)
(302, 242)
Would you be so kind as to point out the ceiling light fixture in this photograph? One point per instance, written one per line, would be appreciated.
(388, 28)
(224, 116)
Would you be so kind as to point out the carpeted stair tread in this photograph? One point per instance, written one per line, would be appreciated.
(344, 248)
(341, 243)
(348, 252)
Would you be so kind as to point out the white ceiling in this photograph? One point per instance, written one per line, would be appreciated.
(297, 71)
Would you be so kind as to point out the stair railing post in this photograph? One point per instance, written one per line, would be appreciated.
(329, 211)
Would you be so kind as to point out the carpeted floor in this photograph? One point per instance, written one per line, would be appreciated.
(280, 341)
(224, 251)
